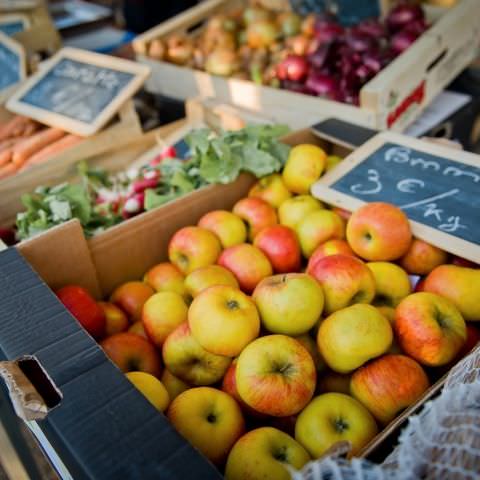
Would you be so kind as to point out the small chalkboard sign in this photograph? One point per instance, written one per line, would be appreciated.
(437, 187)
(12, 24)
(78, 91)
(12, 62)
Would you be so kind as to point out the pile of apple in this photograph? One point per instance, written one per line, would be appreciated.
(285, 326)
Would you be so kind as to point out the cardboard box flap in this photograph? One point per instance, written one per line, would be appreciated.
(91, 416)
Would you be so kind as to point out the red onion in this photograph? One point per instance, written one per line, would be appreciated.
(359, 42)
(371, 27)
(328, 31)
(294, 67)
(400, 16)
(7, 235)
(167, 152)
(297, 87)
(402, 40)
(323, 85)
(320, 56)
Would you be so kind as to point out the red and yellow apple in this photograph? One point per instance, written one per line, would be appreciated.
(248, 263)
(137, 329)
(229, 228)
(305, 165)
(330, 247)
(186, 359)
(131, 297)
(429, 328)
(461, 285)
(116, 320)
(174, 385)
(262, 454)
(391, 283)
(271, 189)
(331, 418)
(275, 375)
(311, 345)
(162, 313)
(388, 385)
(151, 388)
(379, 231)
(317, 227)
(223, 320)
(422, 257)
(257, 214)
(166, 277)
(209, 276)
(345, 280)
(290, 304)
(193, 247)
(280, 244)
(334, 382)
(209, 419)
(293, 210)
(130, 352)
(350, 337)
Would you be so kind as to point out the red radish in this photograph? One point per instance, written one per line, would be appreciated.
(167, 152)
(142, 184)
(133, 205)
(84, 308)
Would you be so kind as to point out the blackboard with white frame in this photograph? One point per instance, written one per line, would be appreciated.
(12, 62)
(437, 187)
(78, 91)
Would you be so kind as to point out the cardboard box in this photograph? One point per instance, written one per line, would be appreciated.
(392, 99)
(102, 427)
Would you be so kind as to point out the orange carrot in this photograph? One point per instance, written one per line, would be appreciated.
(53, 149)
(12, 127)
(34, 144)
(7, 170)
(5, 156)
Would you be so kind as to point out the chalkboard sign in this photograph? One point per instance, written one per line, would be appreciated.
(78, 91)
(12, 62)
(12, 24)
(437, 187)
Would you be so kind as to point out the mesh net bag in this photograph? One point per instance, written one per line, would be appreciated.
(441, 442)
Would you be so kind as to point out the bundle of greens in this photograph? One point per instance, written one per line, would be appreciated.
(100, 200)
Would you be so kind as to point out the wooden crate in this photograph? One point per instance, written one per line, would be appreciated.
(120, 136)
(392, 99)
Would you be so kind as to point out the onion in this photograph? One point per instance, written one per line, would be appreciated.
(327, 31)
(297, 87)
(320, 56)
(359, 42)
(373, 61)
(402, 15)
(370, 27)
(323, 85)
(294, 67)
(402, 40)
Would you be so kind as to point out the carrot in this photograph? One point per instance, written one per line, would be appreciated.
(53, 149)
(7, 144)
(7, 170)
(10, 129)
(34, 144)
(5, 157)
(30, 128)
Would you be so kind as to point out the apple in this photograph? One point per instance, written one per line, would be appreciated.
(162, 313)
(429, 328)
(387, 312)
(173, 384)
(391, 283)
(463, 262)
(186, 359)
(84, 308)
(262, 454)
(290, 304)
(332, 162)
(317, 227)
(130, 352)
(341, 212)
(293, 210)
(271, 189)
(193, 247)
(334, 382)
(473, 338)
(420, 285)
(330, 247)
(280, 244)
(131, 297)
(209, 276)
(421, 258)
(331, 418)
(350, 337)
(166, 277)
(248, 263)
(228, 227)
(275, 375)
(137, 329)
(311, 345)
(305, 165)
(379, 231)
(345, 280)
(223, 320)
(388, 385)
(151, 388)
(209, 419)
(257, 214)
(116, 320)
(461, 285)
